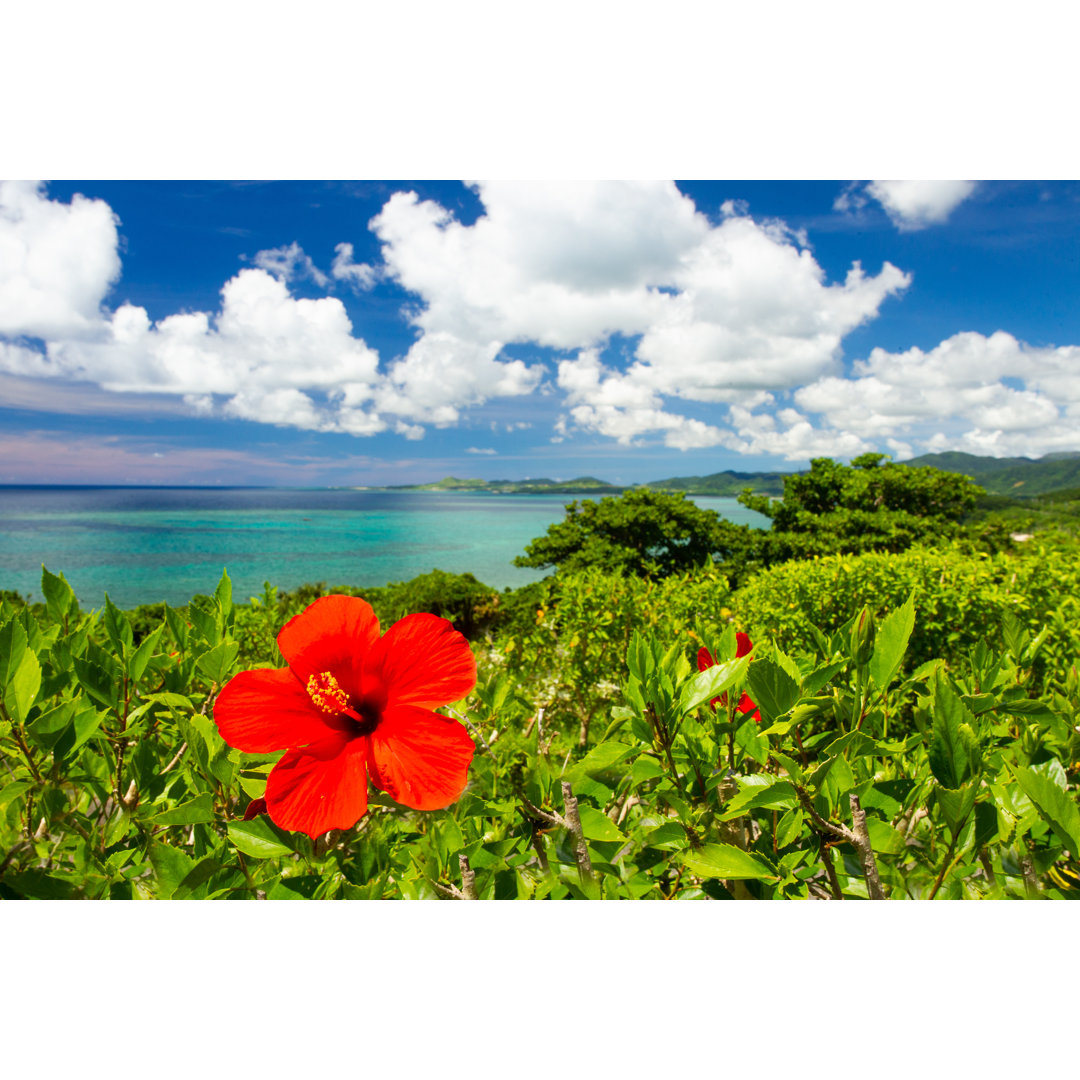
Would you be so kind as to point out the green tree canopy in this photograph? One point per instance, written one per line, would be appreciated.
(864, 506)
(641, 532)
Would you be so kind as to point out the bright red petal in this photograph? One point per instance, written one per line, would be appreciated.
(422, 660)
(321, 787)
(704, 659)
(420, 758)
(747, 705)
(267, 709)
(743, 645)
(335, 634)
(255, 808)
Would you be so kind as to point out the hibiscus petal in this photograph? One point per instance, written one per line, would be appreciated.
(420, 758)
(704, 659)
(335, 634)
(267, 709)
(743, 645)
(422, 660)
(320, 787)
(746, 705)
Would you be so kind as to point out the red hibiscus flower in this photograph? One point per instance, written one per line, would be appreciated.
(705, 660)
(351, 706)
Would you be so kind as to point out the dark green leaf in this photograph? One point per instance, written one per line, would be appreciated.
(47, 729)
(59, 596)
(95, 681)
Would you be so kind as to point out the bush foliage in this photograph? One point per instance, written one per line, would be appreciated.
(918, 728)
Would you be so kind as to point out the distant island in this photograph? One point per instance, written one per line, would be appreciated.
(1018, 477)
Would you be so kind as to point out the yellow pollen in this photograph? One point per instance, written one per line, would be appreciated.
(326, 693)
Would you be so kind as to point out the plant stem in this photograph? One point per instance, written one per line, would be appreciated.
(581, 848)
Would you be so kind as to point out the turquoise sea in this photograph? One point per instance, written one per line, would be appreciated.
(143, 545)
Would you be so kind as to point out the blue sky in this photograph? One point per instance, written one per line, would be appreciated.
(354, 333)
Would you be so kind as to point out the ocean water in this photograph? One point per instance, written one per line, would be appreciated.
(143, 545)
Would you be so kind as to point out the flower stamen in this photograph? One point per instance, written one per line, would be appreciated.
(326, 693)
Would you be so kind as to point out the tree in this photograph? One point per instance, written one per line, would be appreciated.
(865, 506)
(642, 532)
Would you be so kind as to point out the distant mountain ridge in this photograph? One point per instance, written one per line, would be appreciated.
(1019, 477)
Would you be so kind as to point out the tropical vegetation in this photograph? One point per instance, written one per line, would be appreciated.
(877, 697)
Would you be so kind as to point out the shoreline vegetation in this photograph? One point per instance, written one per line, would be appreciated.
(876, 697)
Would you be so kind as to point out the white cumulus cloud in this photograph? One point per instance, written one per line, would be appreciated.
(910, 204)
(57, 262)
(290, 264)
(985, 395)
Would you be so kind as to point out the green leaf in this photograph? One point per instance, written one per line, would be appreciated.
(12, 791)
(987, 824)
(751, 741)
(597, 825)
(47, 729)
(954, 749)
(37, 885)
(171, 867)
(141, 657)
(712, 682)
(223, 593)
(820, 677)
(201, 808)
(883, 837)
(117, 626)
(955, 805)
(891, 643)
(1054, 806)
(12, 650)
(779, 795)
(789, 827)
(258, 838)
(728, 862)
(670, 836)
(774, 691)
(172, 701)
(59, 596)
(600, 759)
(216, 664)
(84, 727)
(204, 870)
(22, 689)
(95, 681)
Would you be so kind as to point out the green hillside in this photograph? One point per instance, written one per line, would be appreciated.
(723, 483)
(1018, 477)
